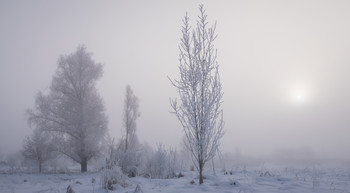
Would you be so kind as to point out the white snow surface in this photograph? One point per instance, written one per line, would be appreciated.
(242, 180)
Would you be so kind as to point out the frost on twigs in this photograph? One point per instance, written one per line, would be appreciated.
(200, 92)
(112, 175)
(162, 164)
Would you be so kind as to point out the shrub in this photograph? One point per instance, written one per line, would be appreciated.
(112, 174)
(129, 162)
(162, 164)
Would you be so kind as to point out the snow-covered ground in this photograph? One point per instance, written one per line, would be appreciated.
(267, 180)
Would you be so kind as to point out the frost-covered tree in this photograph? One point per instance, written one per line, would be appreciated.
(200, 91)
(128, 155)
(130, 114)
(39, 147)
(73, 109)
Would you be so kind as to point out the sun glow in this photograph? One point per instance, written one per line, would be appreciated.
(299, 95)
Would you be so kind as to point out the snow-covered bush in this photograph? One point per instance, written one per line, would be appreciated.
(157, 164)
(162, 164)
(112, 175)
(129, 162)
(172, 162)
(14, 163)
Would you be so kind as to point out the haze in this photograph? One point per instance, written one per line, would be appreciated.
(284, 66)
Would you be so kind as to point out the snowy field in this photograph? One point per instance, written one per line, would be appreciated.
(266, 179)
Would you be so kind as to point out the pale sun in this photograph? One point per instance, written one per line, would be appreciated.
(299, 96)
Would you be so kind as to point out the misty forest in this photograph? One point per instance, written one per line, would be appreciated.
(245, 97)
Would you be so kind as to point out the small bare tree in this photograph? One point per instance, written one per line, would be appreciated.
(38, 147)
(200, 91)
(130, 114)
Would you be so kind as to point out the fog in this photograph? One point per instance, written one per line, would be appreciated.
(284, 68)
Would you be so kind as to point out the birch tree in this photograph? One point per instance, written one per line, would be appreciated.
(200, 92)
(73, 109)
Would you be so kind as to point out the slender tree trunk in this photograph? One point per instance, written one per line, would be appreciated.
(83, 165)
(40, 166)
(212, 163)
(200, 173)
(126, 139)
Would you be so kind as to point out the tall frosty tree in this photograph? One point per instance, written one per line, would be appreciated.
(130, 114)
(127, 155)
(73, 111)
(199, 87)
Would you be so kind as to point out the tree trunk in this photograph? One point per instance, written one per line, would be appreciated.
(200, 173)
(40, 166)
(212, 163)
(126, 140)
(83, 165)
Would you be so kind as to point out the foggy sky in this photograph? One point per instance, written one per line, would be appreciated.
(284, 67)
